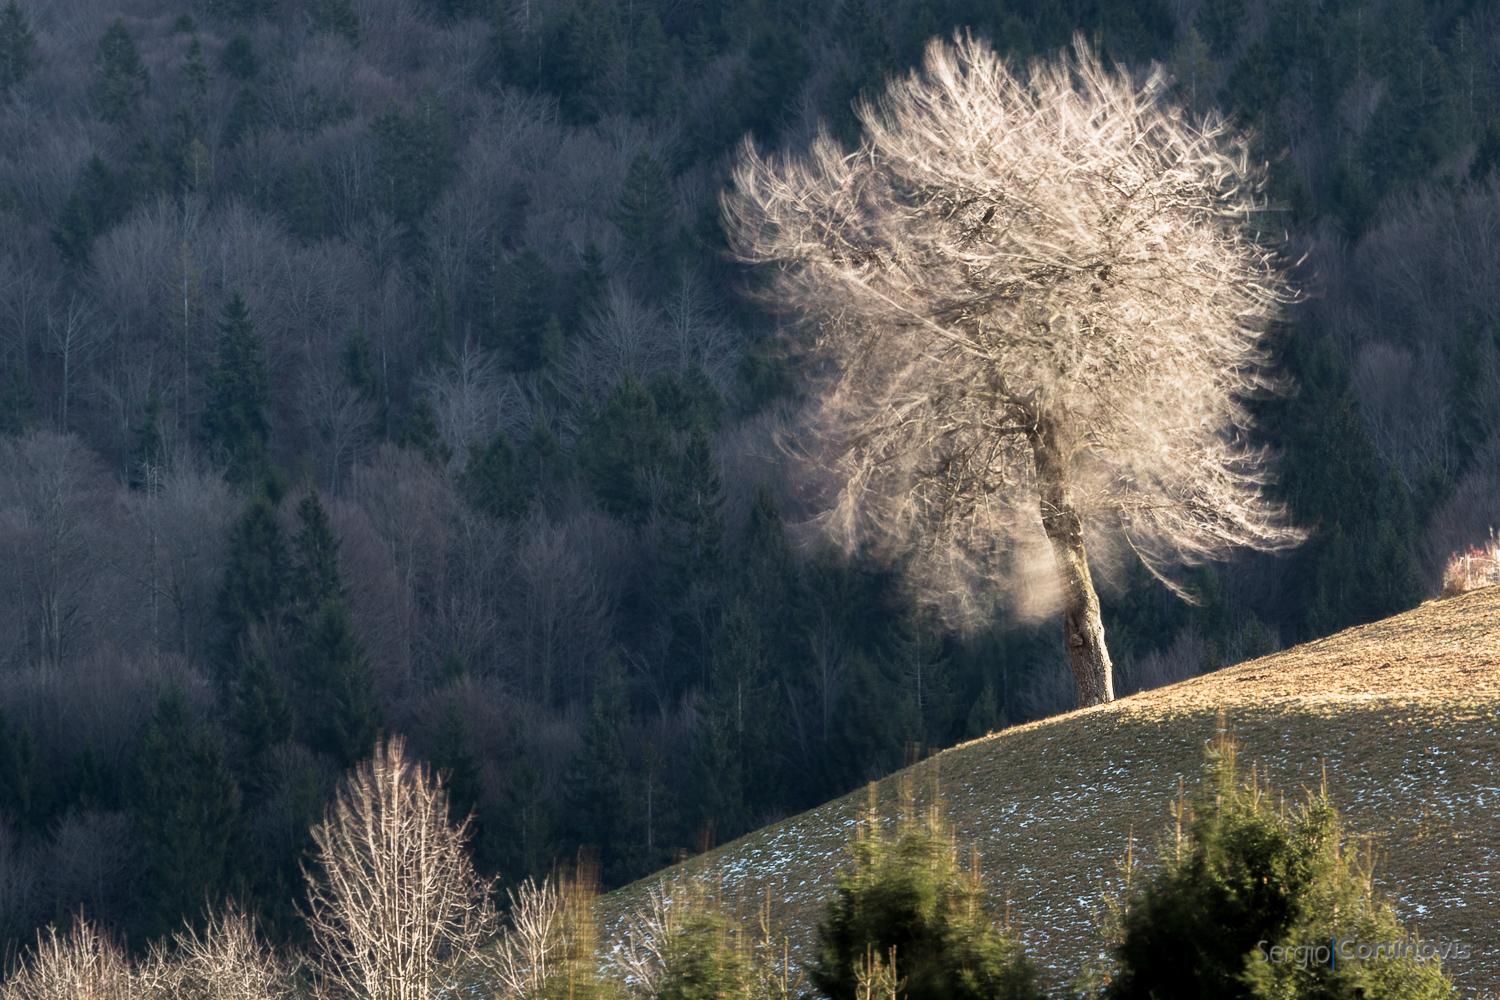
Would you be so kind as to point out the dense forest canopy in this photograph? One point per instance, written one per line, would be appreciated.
(376, 366)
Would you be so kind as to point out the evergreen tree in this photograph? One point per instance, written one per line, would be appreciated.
(452, 755)
(317, 579)
(496, 482)
(254, 587)
(341, 715)
(148, 459)
(646, 209)
(236, 423)
(1246, 876)
(118, 80)
(245, 118)
(262, 715)
(523, 299)
(415, 157)
(909, 912)
(420, 433)
(238, 58)
(147, 172)
(185, 154)
(648, 67)
(17, 47)
(194, 74)
(334, 17)
(590, 285)
(1219, 24)
(186, 810)
(597, 801)
(1468, 427)
(777, 66)
(694, 539)
(306, 206)
(17, 401)
(26, 787)
(95, 203)
(623, 448)
(516, 836)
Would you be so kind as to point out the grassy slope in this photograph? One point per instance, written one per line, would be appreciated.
(1403, 713)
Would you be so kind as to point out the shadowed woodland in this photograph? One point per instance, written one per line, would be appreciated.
(378, 366)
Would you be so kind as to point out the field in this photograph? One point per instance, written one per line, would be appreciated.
(1401, 715)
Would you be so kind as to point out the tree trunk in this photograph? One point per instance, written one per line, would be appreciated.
(1083, 629)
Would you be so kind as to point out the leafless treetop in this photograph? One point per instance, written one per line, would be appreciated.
(1058, 251)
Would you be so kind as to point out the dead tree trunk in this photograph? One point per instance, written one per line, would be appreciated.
(1083, 628)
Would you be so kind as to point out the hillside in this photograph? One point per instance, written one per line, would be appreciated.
(1403, 712)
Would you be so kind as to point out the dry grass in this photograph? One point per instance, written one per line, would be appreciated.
(1478, 567)
(1402, 713)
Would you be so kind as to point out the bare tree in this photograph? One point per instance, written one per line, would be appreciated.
(1042, 312)
(83, 963)
(228, 961)
(73, 336)
(396, 909)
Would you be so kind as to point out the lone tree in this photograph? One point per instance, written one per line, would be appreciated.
(1042, 306)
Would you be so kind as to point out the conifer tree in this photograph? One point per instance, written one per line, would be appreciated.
(187, 816)
(317, 579)
(17, 401)
(262, 715)
(1469, 424)
(623, 447)
(149, 457)
(496, 482)
(517, 835)
(236, 423)
(341, 715)
(646, 209)
(590, 284)
(253, 590)
(306, 210)
(118, 79)
(245, 118)
(415, 156)
(420, 433)
(523, 300)
(238, 58)
(334, 17)
(595, 778)
(695, 537)
(96, 202)
(194, 74)
(17, 47)
(26, 787)
(452, 756)
(909, 907)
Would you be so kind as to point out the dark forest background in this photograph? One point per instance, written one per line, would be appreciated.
(374, 366)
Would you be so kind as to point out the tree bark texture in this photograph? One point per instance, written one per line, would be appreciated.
(1083, 628)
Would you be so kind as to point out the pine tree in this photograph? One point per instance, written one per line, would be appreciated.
(194, 74)
(96, 202)
(523, 299)
(516, 836)
(648, 67)
(118, 79)
(254, 587)
(17, 401)
(316, 579)
(341, 715)
(238, 58)
(236, 423)
(420, 433)
(26, 787)
(910, 912)
(148, 458)
(646, 209)
(262, 716)
(496, 482)
(622, 448)
(187, 817)
(595, 778)
(306, 211)
(17, 47)
(334, 17)
(453, 756)
(590, 285)
(1467, 427)
(185, 154)
(694, 542)
(415, 157)
(246, 117)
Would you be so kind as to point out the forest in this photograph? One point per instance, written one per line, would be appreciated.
(379, 366)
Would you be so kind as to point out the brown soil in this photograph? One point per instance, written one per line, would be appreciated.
(1401, 715)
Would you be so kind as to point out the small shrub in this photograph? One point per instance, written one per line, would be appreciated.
(1478, 567)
